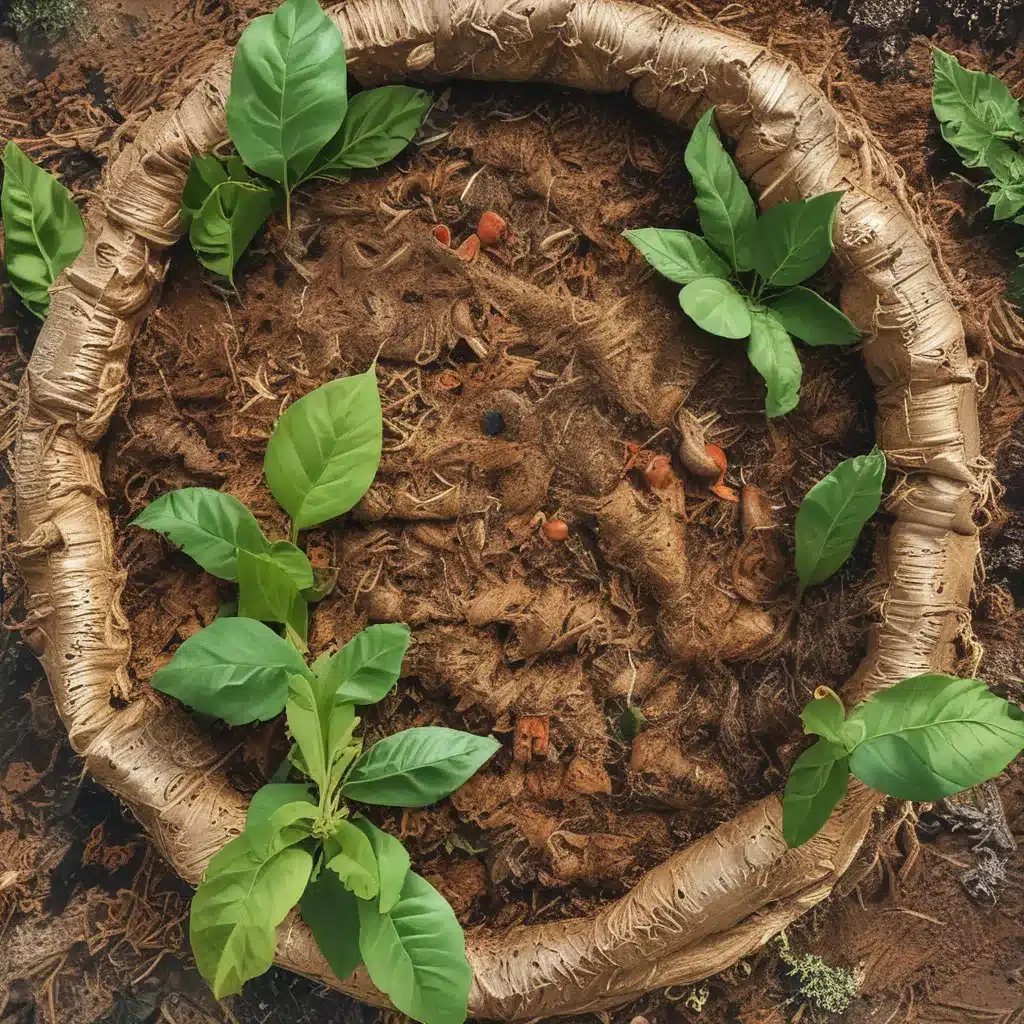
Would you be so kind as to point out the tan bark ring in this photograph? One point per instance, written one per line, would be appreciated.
(727, 893)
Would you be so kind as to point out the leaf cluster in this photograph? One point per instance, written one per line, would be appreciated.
(742, 279)
(925, 738)
(291, 120)
(981, 120)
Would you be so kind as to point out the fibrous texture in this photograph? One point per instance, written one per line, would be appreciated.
(725, 894)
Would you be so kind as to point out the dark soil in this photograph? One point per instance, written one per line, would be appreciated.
(509, 628)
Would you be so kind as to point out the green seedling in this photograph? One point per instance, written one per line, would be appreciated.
(923, 739)
(742, 279)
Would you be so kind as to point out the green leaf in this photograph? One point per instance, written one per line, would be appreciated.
(352, 860)
(293, 561)
(825, 716)
(973, 108)
(288, 90)
(817, 782)
(792, 241)
(723, 203)
(773, 355)
(267, 592)
(332, 915)
(417, 953)
(278, 815)
(716, 306)
(807, 316)
(269, 799)
(205, 173)
(1006, 197)
(681, 256)
(833, 513)
(241, 900)
(392, 862)
(306, 729)
(631, 723)
(236, 669)
(369, 665)
(209, 526)
(379, 124)
(43, 230)
(226, 223)
(417, 767)
(933, 735)
(325, 450)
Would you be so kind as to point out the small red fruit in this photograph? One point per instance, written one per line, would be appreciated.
(442, 234)
(659, 472)
(469, 248)
(555, 529)
(491, 228)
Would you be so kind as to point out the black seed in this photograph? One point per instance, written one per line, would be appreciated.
(494, 423)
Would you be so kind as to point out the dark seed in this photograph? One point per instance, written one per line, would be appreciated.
(494, 423)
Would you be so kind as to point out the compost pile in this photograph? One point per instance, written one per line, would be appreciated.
(535, 381)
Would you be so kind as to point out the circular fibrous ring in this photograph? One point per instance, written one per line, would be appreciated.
(725, 894)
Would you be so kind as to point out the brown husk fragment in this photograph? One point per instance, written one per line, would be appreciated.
(723, 895)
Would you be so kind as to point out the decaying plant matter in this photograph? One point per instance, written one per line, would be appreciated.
(725, 894)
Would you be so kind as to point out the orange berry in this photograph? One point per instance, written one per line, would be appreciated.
(555, 529)
(469, 248)
(442, 234)
(491, 228)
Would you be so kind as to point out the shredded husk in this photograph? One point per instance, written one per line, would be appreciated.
(725, 894)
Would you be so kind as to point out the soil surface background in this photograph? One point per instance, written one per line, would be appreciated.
(585, 353)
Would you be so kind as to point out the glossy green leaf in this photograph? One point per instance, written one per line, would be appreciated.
(792, 241)
(332, 915)
(392, 862)
(270, 799)
(272, 825)
(236, 669)
(241, 900)
(825, 716)
(369, 665)
(378, 125)
(209, 526)
(723, 203)
(715, 306)
(267, 592)
(293, 561)
(807, 316)
(227, 222)
(43, 230)
(977, 114)
(416, 954)
(325, 450)
(817, 782)
(306, 728)
(681, 256)
(288, 90)
(1006, 198)
(773, 355)
(353, 861)
(834, 512)
(205, 173)
(417, 767)
(934, 735)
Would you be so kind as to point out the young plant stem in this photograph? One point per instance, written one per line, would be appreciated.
(288, 217)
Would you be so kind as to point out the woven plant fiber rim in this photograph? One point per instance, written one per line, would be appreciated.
(724, 895)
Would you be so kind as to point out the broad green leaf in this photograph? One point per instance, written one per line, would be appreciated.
(235, 669)
(933, 735)
(817, 782)
(715, 306)
(325, 450)
(392, 862)
(332, 915)
(352, 860)
(209, 526)
(306, 729)
(1006, 197)
(269, 799)
(205, 173)
(241, 900)
(807, 316)
(294, 562)
(417, 767)
(267, 592)
(369, 665)
(270, 828)
(226, 223)
(833, 513)
(417, 953)
(825, 716)
(378, 125)
(792, 241)
(43, 230)
(723, 203)
(773, 355)
(288, 91)
(976, 113)
(681, 256)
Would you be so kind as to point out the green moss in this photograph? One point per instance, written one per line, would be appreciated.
(826, 988)
(46, 19)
